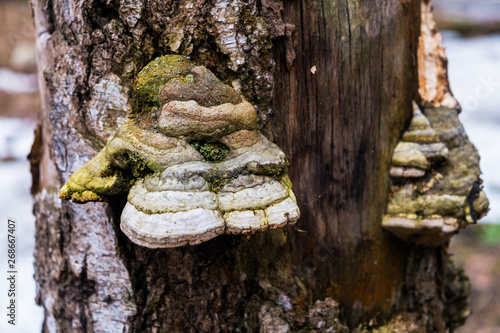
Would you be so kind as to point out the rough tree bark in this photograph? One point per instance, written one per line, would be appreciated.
(333, 83)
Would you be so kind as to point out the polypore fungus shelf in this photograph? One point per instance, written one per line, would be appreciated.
(193, 162)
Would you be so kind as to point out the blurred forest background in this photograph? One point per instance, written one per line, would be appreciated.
(471, 36)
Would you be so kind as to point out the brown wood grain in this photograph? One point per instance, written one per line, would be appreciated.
(338, 127)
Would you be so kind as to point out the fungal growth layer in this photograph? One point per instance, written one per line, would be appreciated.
(193, 162)
(436, 187)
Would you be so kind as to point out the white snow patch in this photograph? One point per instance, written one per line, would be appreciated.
(17, 83)
(16, 137)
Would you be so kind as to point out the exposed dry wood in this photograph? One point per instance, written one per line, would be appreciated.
(433, 83)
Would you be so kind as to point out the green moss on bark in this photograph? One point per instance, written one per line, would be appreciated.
(214, 152)
(155, 74)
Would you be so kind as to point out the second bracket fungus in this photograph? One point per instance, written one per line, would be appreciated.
(196, 168)
(436, 188)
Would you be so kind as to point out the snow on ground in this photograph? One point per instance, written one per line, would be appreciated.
(13, 82)
(478, 11)
(474, 73)
(16, 136)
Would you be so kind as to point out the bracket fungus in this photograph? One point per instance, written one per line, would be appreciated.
(193, 162)
(436, 188)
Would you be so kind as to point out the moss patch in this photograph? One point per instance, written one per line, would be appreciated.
(155, 74)
(217, 183)
(139, 165)
(214, 152)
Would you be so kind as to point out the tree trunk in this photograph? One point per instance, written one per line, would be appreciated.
(333, 84)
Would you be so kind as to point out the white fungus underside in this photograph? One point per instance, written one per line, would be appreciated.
(177, 207)
(428, 231)
(199, 225)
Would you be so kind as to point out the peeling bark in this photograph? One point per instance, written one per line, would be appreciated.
(338, 126)
(434, 89)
